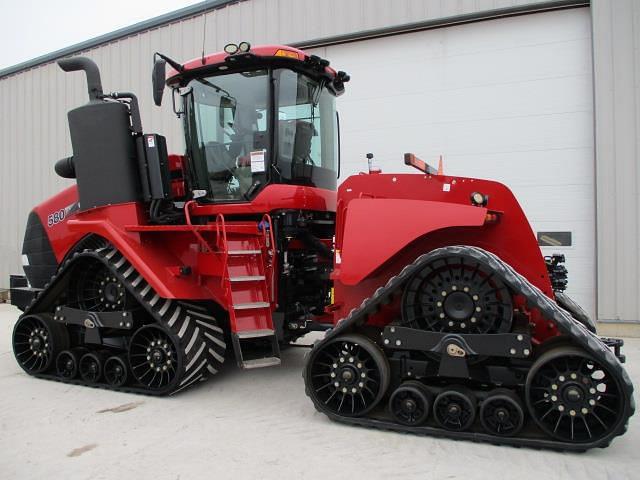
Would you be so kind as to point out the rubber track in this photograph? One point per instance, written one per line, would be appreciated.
(213, 335)
(575, 310)
(535, 299)
(188, 322)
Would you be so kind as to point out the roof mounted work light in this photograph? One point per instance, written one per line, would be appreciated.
(230, 48)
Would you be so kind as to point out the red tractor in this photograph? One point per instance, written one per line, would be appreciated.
(441, 315)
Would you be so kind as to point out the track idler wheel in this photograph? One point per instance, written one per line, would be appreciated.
(90, 366)
(572, 397)
(410, 403)
(457, 294)
(455, 408)
(95, 288)
(347, 376)
(37, 339)
(67, 363)
(502, 413)
(116, 371)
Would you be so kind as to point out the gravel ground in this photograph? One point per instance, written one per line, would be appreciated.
(247, 424)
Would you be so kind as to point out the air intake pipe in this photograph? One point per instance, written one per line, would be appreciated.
(65, 168)
(94, 85)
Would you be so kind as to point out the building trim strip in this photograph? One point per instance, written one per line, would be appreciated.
(538, 7)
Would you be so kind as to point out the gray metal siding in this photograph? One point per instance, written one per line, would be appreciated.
(34, 102)
(616, 52)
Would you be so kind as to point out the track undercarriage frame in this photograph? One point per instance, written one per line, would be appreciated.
(494, 387)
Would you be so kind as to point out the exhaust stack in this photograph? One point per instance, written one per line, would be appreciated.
(94, 84)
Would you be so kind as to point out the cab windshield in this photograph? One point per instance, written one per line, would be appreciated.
(229, 122)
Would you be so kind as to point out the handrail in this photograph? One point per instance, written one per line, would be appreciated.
(221, 242)
(221, 227)
(341, 211)
(195, 231)
(266, 217)
(272, 255)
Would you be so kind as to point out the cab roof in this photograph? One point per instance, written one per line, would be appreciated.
(277, 55)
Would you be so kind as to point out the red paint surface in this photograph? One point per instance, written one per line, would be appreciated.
(177, 168)
(386, 221)
(61, 238)
(158, 251)
(275, 197)
(376, 229)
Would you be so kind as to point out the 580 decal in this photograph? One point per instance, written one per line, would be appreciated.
(55, 217)
(59, 215)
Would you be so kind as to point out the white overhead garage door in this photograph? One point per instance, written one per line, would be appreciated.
(507, 99)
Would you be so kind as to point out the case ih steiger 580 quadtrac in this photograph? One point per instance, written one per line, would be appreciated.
(441, 315)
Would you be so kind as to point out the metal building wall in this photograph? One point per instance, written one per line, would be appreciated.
(34, 102)
(616, 55)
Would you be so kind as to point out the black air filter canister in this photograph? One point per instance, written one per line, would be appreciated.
(104, 154)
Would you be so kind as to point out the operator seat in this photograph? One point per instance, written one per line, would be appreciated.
(220, 165)
(220, 162)
(229, 175)
(244, 140)
(301, 161)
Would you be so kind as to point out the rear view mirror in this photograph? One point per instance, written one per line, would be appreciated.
(158, 79)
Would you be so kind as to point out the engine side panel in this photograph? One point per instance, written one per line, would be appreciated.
(376, 229)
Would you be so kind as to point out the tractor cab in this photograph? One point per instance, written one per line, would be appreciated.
(255, 117)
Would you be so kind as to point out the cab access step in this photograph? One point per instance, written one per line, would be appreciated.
(248, 282)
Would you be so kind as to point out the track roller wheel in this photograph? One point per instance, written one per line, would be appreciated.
(90, 366)
(37, 339)
(572, 397)
(455, 408)
(347, 376)
(116, 371)
(155, 359)
(502, 413)
(410, 403)
(67, 364)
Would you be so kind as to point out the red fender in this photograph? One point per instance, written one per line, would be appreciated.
(386, 221)
(399, 222)
(156, 256)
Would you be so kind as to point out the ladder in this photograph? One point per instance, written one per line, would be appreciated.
(248, 253)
